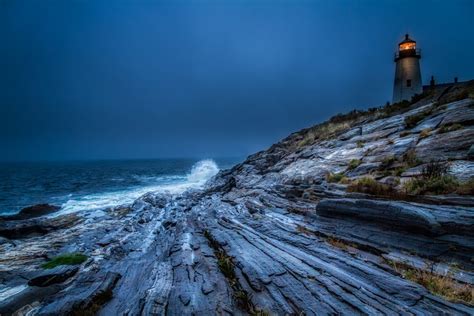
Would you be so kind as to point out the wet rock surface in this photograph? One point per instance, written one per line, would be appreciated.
(271, 235)
(53, 276)
(19, 229)
(32, 211)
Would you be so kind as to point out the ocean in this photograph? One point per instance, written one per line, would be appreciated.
(94, 185)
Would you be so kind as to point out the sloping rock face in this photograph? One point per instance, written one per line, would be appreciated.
(270, 236)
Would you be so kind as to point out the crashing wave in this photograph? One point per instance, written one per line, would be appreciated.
(200, 173)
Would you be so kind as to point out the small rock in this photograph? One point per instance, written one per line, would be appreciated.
(185, 299)
(207, 288)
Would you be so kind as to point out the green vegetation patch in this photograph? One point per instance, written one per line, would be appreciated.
(65, 259)
(425, 133)
(435, 179)
(437, 185)
(336, 178)
(450, 128)
(227, 266)
(369, 185)
(354, 163)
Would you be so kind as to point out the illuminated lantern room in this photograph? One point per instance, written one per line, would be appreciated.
(407, 44)
(407, 48)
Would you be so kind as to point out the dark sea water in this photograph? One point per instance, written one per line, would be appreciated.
(91, 185)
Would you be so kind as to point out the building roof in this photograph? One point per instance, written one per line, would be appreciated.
(407, 40)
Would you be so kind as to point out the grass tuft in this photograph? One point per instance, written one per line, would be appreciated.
(227, 266)
(354, 163)
(413, 120)
(410, 160)
(439, 185)
(449, 128)
(387, 162)
(441, 285)
(335, 242)
(65, 259)
(434, 179)
(337, 178)
(369, 185)
(425, 133)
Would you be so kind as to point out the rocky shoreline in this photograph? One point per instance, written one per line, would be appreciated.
(274, 235)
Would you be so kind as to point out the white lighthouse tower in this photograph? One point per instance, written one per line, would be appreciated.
(407, 71)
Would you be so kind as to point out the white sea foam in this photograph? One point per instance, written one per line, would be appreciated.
(203, 171)
(200, 173)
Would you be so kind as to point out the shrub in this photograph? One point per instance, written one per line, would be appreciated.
(65, 259)
(410, 159)
(308, 139)
(434, 169)
(434, 180)
(441, 285)
(425, 133)
(370, 186)
(398, 171)
(387, 162)
(438, 185)
(335, 242)
(360, 144)
(354, 163)
(449, 128)
(336, 177)
(404, 133)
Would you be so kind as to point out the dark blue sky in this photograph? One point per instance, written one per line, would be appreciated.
(137, 79)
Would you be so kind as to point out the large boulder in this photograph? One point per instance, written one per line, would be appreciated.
(462, 112)
(413, 217)
(451, 145)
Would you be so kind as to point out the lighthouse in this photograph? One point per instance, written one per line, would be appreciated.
(407, 71)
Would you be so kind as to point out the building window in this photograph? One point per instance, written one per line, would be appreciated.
(409, 83)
